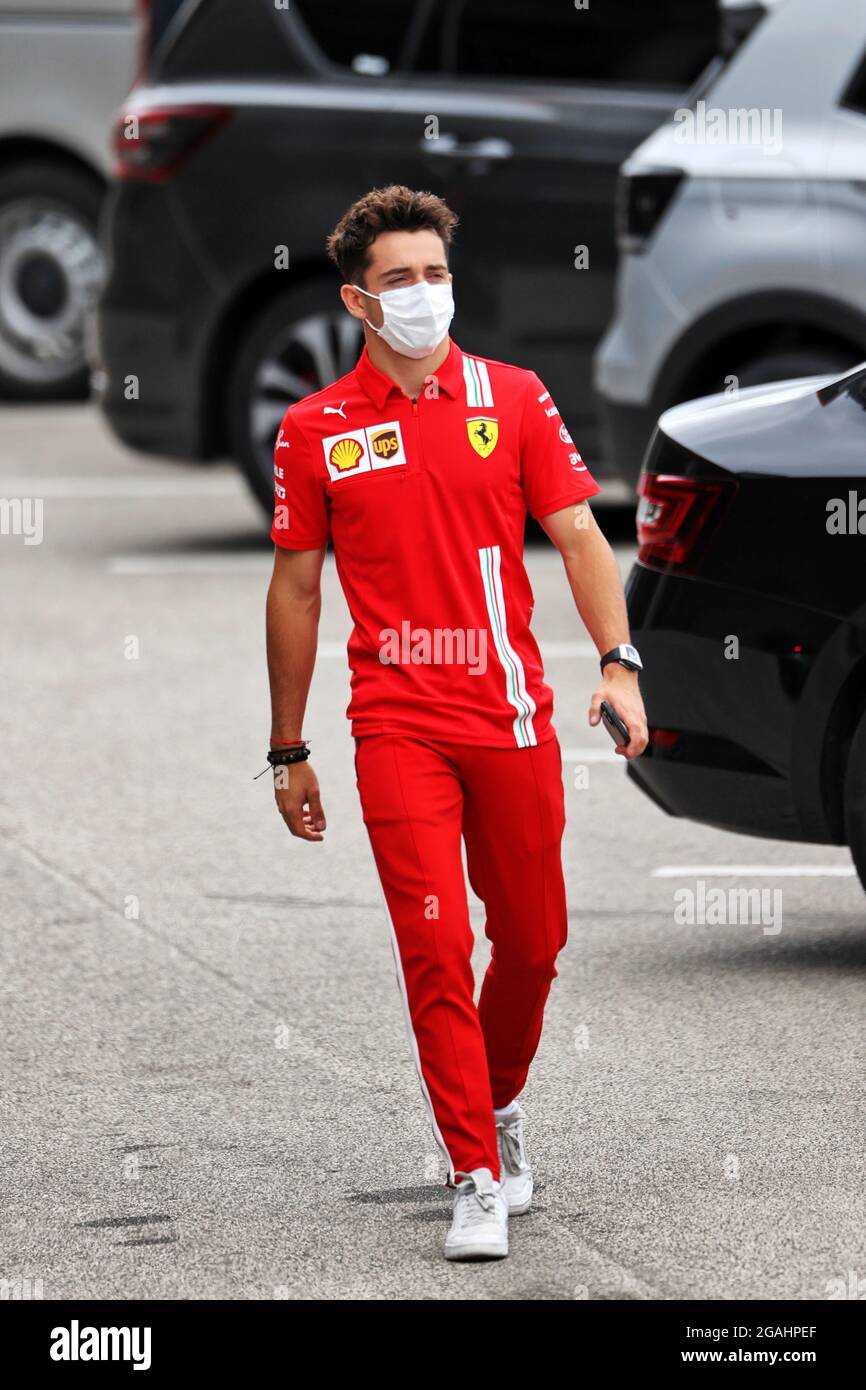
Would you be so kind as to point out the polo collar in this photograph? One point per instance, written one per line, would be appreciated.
(379, 387)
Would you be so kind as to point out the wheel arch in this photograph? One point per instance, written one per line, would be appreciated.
(230, 329)
(848, 709)
(23, 150)
(772, 319)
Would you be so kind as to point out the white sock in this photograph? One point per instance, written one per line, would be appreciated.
(506, 1110)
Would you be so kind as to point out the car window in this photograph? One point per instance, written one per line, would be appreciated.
(667, 43)
(159, 15)
(371, 38)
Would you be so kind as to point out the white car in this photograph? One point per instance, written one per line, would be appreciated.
(741, 223)
(65, 66)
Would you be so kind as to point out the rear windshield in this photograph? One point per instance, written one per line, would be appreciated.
(221, 38)
(664, 43)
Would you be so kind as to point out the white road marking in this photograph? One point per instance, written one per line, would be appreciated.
(111, 486)
(754, 871)
(27, 417)
(571, 648)
(591, 755)
(205, 563)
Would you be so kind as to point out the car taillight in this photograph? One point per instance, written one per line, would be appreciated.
(676, 516)
(641, 199)
(152, 145)
(663, 740)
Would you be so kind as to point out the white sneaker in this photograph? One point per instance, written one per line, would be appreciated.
(516, 1172)
(479, 1230)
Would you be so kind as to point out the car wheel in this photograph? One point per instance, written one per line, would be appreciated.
(51, 273)
(855, 800)
(301, 342)
(778, 366)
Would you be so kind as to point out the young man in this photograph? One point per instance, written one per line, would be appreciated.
(420, 465)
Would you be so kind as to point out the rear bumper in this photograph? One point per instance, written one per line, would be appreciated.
(751, 803)
(153, 326)
(149, 388)
(726, 748)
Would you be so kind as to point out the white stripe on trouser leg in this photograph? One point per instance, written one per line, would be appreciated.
(516, 692)
(413, 1041)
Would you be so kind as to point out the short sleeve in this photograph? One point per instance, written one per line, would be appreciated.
(552, 472)
(300, 502)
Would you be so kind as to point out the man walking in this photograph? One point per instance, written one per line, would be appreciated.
(420, 465)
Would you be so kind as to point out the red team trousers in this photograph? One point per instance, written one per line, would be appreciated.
(418, 799)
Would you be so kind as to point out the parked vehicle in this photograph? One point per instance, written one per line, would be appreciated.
(65, 66)
(258, 125)
(748, 606)
(741, 226)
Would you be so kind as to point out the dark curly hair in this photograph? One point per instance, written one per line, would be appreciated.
(392, 209)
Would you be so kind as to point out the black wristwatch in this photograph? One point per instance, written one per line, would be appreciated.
(627, 656)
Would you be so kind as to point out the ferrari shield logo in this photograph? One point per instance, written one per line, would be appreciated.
(483, 434)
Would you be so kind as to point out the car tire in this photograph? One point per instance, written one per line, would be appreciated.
(296, 344)
(780, 365)
(855, 800)
(51, 273)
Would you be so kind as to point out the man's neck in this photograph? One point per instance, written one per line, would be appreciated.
(409, 373)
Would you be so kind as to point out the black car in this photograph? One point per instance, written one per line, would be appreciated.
(256, 126)
(748, 604)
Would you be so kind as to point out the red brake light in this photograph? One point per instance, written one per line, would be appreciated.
(664, 739)
(675, 517)
(151, 145)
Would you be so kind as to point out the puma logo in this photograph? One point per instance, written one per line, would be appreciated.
(334, 410)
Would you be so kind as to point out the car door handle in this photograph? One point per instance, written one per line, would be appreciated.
(449, 147)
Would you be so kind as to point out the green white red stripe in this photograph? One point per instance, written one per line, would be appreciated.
(477, 379)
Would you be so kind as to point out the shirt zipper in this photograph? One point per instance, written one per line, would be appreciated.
(416, 418)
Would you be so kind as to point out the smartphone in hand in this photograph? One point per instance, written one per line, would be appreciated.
(614, 725)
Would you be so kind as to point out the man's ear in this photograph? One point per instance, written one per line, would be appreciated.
(353, 301)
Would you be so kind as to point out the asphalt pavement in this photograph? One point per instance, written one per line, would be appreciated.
(206, 1088)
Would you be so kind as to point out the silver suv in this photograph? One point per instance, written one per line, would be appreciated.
(65, 65)
(741, 226)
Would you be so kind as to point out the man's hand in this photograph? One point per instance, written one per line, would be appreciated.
(620, 688)
(296, 790)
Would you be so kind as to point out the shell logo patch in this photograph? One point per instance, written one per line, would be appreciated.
(483, 434)
(346, 454)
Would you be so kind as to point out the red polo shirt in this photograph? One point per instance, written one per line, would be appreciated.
(425, 502)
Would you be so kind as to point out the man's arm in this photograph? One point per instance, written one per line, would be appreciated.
(593, 574)
(293, 608)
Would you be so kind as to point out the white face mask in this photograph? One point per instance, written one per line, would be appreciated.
(415, 318)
